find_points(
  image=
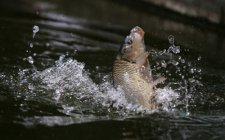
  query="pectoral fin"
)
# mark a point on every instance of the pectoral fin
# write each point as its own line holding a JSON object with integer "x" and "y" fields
{"x": 142, "y": 59}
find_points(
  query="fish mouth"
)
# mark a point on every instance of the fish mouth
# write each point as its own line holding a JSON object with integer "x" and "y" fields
{"x": 136, "y": 33}
{"x": 138, "y": 30}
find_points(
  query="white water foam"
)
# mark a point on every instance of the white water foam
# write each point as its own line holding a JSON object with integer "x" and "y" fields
{"x": 167, "y": 98}
{"x": 69, "y": 78}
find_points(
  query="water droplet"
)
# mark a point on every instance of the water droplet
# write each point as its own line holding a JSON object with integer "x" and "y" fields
{"x": 31, "y": 45}
{"x": 57, "y": 95}
{"x": 163, "y": 63}
{"x": 74, "y": 52}
{"x": 173, "y": 62}
{"x": 173, "y": 48}
{"x": 30, "y": 60}
{"x": 199, "y": 70}
{"x": 192, "y": 71}
{"x": 97, "y": 68}
{"x": 35, "y": 30}
{"x": 47, "y": 44}
{"x": 61, "y": 58}
{"x": 189, "y": 64}
{"x": 57, "y": 91}
{"x": 182, "y": 61}
{"x": 30, "y": 87}
{"x": 171, "y": 39}
{"x": 199, "y": 58}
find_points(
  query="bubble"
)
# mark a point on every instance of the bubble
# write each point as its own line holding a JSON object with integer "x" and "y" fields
{"x": 199, "y": 58}
{"x": 35, "y": 30}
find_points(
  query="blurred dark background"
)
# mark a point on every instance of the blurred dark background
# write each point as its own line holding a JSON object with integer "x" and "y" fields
{"x": 198, "y": 25}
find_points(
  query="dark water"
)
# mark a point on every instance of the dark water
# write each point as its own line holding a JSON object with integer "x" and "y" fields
{"x": 55, "y": 73}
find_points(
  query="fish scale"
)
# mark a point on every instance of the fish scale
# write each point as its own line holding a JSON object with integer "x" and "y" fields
{"x": 137, "y": 89}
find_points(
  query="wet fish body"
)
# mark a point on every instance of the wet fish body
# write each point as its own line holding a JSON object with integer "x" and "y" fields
{"x": 136, "y": 88}
{"x": 131, "y": 70}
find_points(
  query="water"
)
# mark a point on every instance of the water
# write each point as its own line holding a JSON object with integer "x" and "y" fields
{"x": 56, "y": 80}
{"x": 35, "y": 30}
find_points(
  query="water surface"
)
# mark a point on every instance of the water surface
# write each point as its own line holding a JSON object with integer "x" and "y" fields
{"x": 56, "y": 81}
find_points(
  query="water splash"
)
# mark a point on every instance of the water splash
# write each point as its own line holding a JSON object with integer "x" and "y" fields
{"x": 30, "y": 60}
{"x": 69, "y": 85}
{"x": 72, "y": 86}
{"x": 183, "y": 75}
{"x": 173, "y": 48}
{"x": 35, "y": 30}
{"x": 167, "y": 99}
{"x": 31, "y": 45}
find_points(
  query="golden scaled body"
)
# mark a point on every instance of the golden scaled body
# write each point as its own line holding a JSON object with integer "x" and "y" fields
{"x": 137, "y": 89}
{"x": 131, "y": 71}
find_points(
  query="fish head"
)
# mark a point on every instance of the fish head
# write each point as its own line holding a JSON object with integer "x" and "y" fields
{"x": 133, "y": 45}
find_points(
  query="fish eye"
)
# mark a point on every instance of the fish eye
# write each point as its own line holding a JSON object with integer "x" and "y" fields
{"x": 129, "y": 40}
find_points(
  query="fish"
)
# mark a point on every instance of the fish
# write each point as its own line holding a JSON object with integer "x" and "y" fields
{"x": 132, "y": 72}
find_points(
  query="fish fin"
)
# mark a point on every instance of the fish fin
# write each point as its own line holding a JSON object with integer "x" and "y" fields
{"x": 142, "y": 59}
{"x": 144, "y": 67}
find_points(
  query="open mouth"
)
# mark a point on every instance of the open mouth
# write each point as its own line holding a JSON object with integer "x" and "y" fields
{"x": 129, "y": 39}
{"x": 138, "y": 30}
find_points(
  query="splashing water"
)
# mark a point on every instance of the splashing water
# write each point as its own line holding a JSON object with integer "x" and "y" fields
{"x": 167, "y": 98}
{"x": 70, "y": 86}
{"x": 30, "y": 60}
{"x": 35, "y": 30}
{"x": 174, "y": 49}
{"x": 182, "y": 75}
